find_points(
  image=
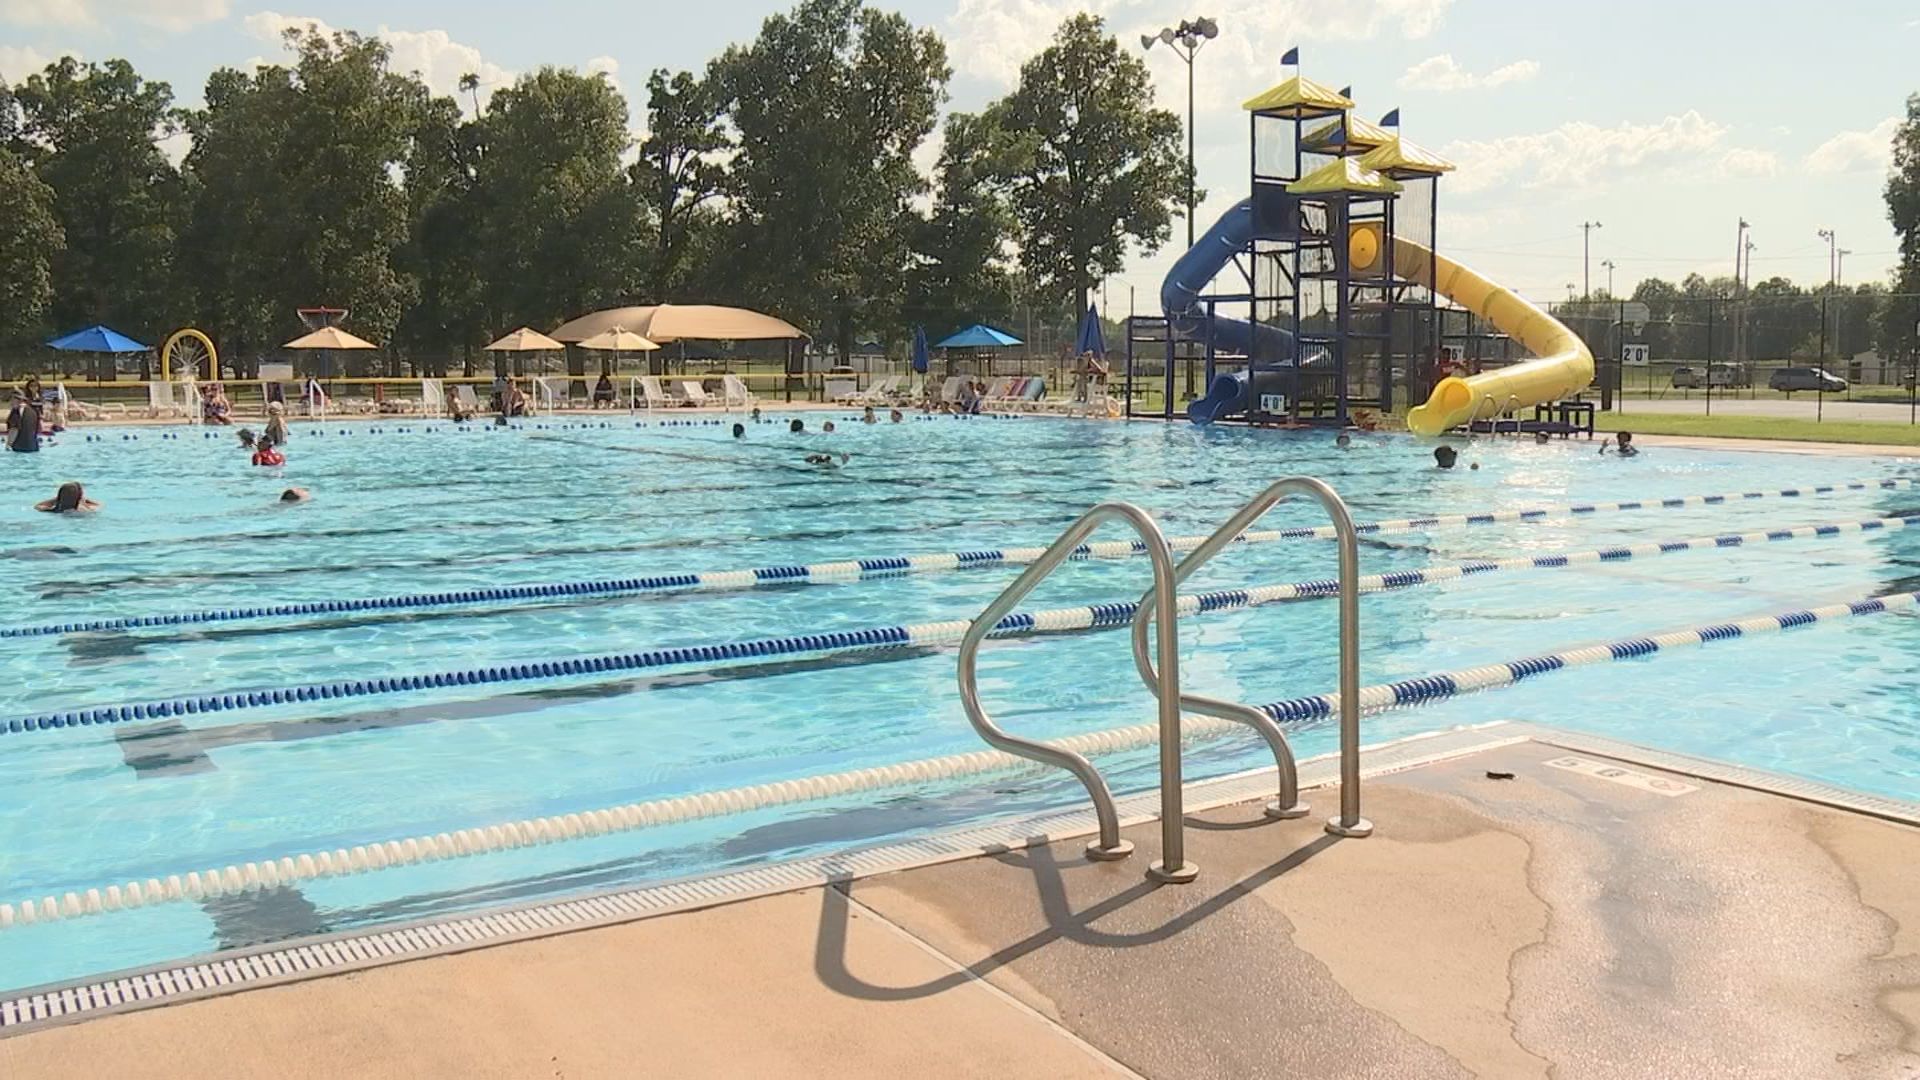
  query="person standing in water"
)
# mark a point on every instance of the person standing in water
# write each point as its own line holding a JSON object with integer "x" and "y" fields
{"x": 23, "y": 425}
{"x": 276, "y": 431}
{"x": 70, "y": 499}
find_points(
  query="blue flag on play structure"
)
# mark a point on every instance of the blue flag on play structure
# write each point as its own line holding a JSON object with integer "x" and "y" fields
{"x": 1392, "y": 119}
{"x": 1291, "y": 56}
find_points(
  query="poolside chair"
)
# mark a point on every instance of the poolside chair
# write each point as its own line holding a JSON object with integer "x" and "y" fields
{"x": 1031, "y": 398}
{"x": 161, "y": 403}
{"x": 551, "y": 393}
{"x": 656, "y": 398}
{"x": 692, "y": 393}
{"x": 879, "y": 393}
{"x": 1010, "y": 393}
{"x": 917, "y": 392}
{"x": 734, "y": 392}
{"x": 433, "y": 397}
{"x": 950, "y": 390}
{"x": 469, "y": 401}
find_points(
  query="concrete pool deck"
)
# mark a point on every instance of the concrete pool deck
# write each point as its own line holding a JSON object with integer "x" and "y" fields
{"x": 1588, "y": 916}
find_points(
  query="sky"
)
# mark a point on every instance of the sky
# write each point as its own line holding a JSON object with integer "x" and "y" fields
{"x": 1663, "y": 122}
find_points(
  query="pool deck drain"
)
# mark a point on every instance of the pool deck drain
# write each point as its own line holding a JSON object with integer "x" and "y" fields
{"x": 1607, "y": 911}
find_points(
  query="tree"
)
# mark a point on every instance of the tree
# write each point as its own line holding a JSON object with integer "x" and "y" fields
{"x": 829, "y": 103}
{"x": 30, "y": 237}
{"x": 470, "y": 85}
{"x": 442, "y": 255}
{"x": 1092, "y": 165}
{"x": 560, "y": 225}
{"x": 296, "y": 197}
{"x": 679, "y": 171}
{"x": 90, "y": 132}
{"x": 960, "y": 274}
{"x": 1898, "y": 318}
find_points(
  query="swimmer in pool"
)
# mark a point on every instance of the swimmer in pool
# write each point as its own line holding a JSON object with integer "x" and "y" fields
{"x": 295, "y": 495}
{"x": 1444, "y": 457}
{"x": 70, "y": 499}
{"x": 1343, "y": 440}
{"x": 895, "y": 416}
{"x": 796, "y": 426}
{"x": 867, "y": 417}
{"x": 828, "y": 461}
{"x": 264, "y": 453}
{"x": 739, "y": 431}
{"x": 246, "y": 438}
{"x": 756, "y": 414}
{"x": 827, "y": 427}
{"x": 1625, "y": 447}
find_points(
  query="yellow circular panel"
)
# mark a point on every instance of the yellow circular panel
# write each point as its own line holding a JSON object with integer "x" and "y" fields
{"x": 189, "y": 349}
{"x": 1363, "y": 247}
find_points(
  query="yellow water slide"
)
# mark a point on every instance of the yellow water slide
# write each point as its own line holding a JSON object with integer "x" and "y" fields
{"x": 1562, "y": 365}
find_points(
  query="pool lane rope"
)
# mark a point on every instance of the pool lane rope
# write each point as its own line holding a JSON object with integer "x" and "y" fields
{"x": 847, "y": 570}
{"x": 910, "y": 635}
{"x": 629, "y": 817}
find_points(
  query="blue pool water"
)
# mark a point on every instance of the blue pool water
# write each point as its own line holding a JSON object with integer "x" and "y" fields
{"x": 189, "y": 526}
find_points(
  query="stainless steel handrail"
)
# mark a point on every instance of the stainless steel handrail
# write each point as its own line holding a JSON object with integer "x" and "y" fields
{"x": 1288, "y": 804}
{"x": 1109, "y": 845}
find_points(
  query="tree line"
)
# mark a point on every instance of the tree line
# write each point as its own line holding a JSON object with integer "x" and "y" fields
{"x": 782, "y": 176}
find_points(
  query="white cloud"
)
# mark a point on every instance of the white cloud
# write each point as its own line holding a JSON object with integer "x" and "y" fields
{"x": 1742, "y": 161}
{"x": 165, "y": 14}
{"x": 1585, "y": 157}
{"x": 439, "y": 59}
{"x": 1855, "y": 151}
{"x": 990, "y": 39}
{"x": 19, "y": 61}
{"x": 1442, "y": 73}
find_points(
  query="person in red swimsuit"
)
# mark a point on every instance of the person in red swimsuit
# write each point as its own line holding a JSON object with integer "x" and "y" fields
{"x": 265, "y": 453}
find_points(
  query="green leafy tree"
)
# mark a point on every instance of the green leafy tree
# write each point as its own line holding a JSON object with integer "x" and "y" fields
{"x": 442, "y": 255}
{"x": 560, "y": 225}
{"x": 679, "y": 173}
{"x": 829, "y": 103}
{"x": 30, "y": 237}
{"x": 296, "y": 192}
{"x": 1092, "y": 166}
{"x": 90, "y": 132}
{"x": 1898, "y": 317}
{"x": 960, "y": 273}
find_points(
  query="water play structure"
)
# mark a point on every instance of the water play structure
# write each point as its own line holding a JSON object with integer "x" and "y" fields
{"x": 1323, "y": 293}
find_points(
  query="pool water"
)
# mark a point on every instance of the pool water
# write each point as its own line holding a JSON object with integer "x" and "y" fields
{"x": 189, "y": 525}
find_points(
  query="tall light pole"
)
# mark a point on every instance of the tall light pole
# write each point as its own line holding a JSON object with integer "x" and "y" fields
{"x": 1833, "y": 275}
{"x": 1185, "y": 40}
{"x": 1607, "y": 265}
{"x": 1586, "y": 258}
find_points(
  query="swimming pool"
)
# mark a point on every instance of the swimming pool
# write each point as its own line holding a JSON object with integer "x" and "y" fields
{"x": 411, "y": 507}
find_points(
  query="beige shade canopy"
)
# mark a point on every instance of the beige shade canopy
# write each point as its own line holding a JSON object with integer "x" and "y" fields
{"x": 329, "y": 337}
{"x": 617, "y": 339}
{"x": 526, "y": 339}
{"x": 677, "y": 322}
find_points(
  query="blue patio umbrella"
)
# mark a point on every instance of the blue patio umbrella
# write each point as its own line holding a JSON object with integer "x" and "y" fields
{"x": 1091, "y": 339}
{"x": 979, "y": 336}
{"x": 97, "y": 339}
{"x": 920, "y": 349}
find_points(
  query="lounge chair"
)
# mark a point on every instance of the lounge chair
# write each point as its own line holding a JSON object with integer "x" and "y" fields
{"x": 1001, "y": 397}
{"x": 693, "y": 393}
{"x": 656, "y": 398}
{"x": 551, "y": 393}
{"x": 433, "y": 397}
{"x": 734, "y": 392}
{"x": 469, "y": 401}
{"x": 879, "y": 393}
{"x": 160, "y": 401}
{"x": 950, "y": 390}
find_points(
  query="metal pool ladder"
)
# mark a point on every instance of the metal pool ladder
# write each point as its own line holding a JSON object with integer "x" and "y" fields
{"x": 1164, "y": 680}
{"x": 1109, "y": 844}
{"x": 1288, "y": 805}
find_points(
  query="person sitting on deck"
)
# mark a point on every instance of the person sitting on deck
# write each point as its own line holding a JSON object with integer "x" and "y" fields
{"x": 216, "y": 409}
{"x": 70, "y": 499}
{"x": 604, "y": 393}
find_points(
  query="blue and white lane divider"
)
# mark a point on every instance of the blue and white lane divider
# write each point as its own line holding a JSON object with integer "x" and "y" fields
{"x": 846, "y": 570}
{"x": 907, "y": 635}
{"x": 629, "y": 817}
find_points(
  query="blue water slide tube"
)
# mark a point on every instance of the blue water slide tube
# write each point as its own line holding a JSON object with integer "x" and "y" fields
{"x": 1180, "y": 299}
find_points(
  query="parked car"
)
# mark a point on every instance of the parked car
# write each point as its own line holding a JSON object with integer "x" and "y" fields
{"x": 1717, "y": 376}
{"x": 1790, "y": 379}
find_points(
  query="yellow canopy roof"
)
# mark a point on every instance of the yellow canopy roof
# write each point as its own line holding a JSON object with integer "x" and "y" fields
{"x": 1343, "y": 174}
{"x": 1360, "y": 135}
{"x": 329, "y": 337}
{"x": 617, "y": 339}
{"x": 676, "y": 322}
{"x": 1400, "y": 157}
{"x": 525, "y": 339}
{"x": 1299, "y": 97}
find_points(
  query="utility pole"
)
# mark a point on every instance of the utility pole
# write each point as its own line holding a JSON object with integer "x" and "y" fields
{"x": 1607, "y": 264}
{"x": 1740, "y": 248}
{"x": 1833, "y": 276}
{"x": 1586, "y": 258}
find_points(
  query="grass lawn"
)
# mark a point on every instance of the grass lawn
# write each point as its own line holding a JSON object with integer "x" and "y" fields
{"x": 1764, "y": 427}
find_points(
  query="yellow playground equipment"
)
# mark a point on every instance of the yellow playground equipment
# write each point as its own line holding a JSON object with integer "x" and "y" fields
{"x": 191, "y": 353}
